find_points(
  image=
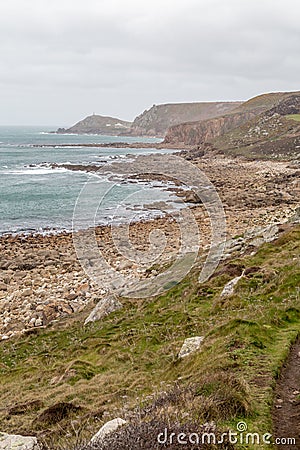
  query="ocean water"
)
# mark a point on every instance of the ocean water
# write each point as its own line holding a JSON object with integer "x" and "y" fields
{"x": 37, "y": 198}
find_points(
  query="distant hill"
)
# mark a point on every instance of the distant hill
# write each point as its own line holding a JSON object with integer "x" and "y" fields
{"x": 152, "y": 122}
{"x": 264, "y": 126}
{"x": 263, "y": 102}
{"x": 157, "y": 120}
{"x": 96, "y": 124}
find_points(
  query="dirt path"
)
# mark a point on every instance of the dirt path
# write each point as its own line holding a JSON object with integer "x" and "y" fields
{"x": 286, "y": 414}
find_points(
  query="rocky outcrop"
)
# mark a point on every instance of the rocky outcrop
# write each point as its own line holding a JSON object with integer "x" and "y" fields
{"x": 251, "y": 239}
{"x": 157, "y": 120}
{"x": 289, "y": 105}
{"x": 195, "y": 133}
{"x": 96, "y": 124}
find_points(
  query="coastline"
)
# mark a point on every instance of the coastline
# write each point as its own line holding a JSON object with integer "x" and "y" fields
{"x": 41, "y": 280}
{"x": 140, "y": 145}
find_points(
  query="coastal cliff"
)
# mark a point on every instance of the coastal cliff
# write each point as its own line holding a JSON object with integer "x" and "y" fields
{"x": 267, "y": 125}
{"x": 192, "y": 133}
{"x": 157, "y": 120}
{"x": 153, "y": 122}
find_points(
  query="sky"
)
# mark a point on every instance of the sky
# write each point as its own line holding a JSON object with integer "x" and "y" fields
{"x": 62, "y": 60}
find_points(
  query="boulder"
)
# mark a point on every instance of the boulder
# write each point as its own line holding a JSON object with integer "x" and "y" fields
{"x": 105, "y": 307}
{"x": 230, "y": 286}
{"x": 190, "y": 345}
{"x": 296, "y": 216}
{"x": 108, "y": 427}
{"x": 16, "y": 442}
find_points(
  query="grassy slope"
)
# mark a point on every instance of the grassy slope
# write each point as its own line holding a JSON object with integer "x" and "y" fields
{"x": 128, "y": 355}
{"x": 262, "y": 138}
{"x": 293, "y": 117}
{"x": 276, "y": 137}
{"x": 263, "y": 102}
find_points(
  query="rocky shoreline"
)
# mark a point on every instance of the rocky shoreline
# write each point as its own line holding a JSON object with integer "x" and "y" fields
{"x": 141, "y": 145}
{"x": 41, "y": 279}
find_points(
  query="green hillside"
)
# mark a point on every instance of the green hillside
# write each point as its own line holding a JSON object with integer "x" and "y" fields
{"x": 264, "y": 137}
{"x": 70, "y": 379}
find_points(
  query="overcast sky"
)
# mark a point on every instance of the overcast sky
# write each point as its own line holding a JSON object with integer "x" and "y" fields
{"x": 64, "y": 59}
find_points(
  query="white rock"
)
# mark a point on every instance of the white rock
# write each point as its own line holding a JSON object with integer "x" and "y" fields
{"x": 190, "y": 345}
{"x": 105, "y": 307}
{"x": 229, "y": 287}
{"x": 16, "y": 442}
{"x": 27, "y": 292}
{"x": 108, "y": 427}
{"x": 38, "y": 322}
{"x": 125, "y": 265}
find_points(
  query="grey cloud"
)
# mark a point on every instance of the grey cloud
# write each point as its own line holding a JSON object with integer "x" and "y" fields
{"x": 119, "y": 57}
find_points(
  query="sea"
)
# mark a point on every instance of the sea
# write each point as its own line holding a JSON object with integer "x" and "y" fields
{"x": 37, "y": 198}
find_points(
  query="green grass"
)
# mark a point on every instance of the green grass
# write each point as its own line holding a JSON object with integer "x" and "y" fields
{"x": 115, "y": 364}
{"x": 295, "y": 117}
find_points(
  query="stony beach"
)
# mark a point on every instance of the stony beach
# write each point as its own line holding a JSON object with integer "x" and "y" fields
{"x": 41, "y": 279}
